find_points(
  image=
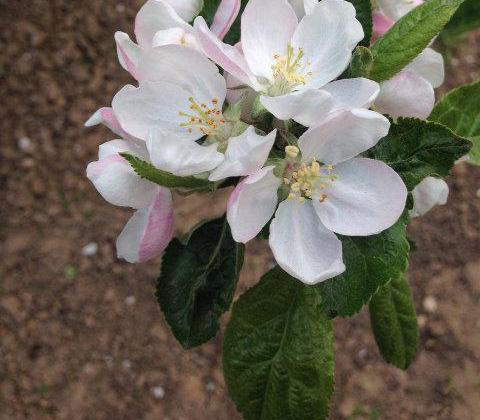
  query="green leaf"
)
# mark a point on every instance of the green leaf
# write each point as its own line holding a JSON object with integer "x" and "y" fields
{"x": 416, "y": 149}
{"x": 165, "y": 179}
{"x": 371, "y": 262}
{"x": 278, "y": 351}
{"x": 198, "y": 281}
{"x": 394, "y": 323}
{"x": 361, "y": 64}
{"x": 364, "y": 16}
{"x": 465, "y": 19}
{"x": 409, "y": 37}
{"x": 208, "y": 12}
{"x": 459, "y": 110}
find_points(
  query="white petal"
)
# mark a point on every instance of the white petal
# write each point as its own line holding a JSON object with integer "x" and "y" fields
{"x": 245, "y": 154}
{"x": 307, "y": 107}
{"x": 180, "y": 156}
{"x": 328, "y": 36}
{"x": 172, "y": 36}
{"x": 366, "y": 198}
{"x": 302, "y": 246}
{"x": 107, "y": 117}
{"x": 353, "y": 93}
{"x": 429, "y": 193}
{"x": 154, "y": 16}
{"x": 226, "y": 56}
{"x": 186, "y": 9}
{"x": 429, "y": 64}
{"x": 406, "y": 95}
{"x": 184, "y": 67}
{"x": 267, "y": 28}
{"x": 343, "y": 135}
{"x": 395, "y": 9}
{"x": 153, "y": 106}
{"x": 128, "y": 53}
{"x": 224, "y": 17}
{"x": 148, "y": 232}
{"x": 117, "y": 182}
{"x": 252, "y": 204}
{"x": 114, "y": 147}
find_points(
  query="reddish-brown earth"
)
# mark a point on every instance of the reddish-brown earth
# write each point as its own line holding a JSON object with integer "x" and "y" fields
{"x": 82, "y": 337}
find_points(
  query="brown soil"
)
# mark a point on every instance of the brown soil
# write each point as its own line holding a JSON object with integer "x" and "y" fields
{"x": 83, "y": 338}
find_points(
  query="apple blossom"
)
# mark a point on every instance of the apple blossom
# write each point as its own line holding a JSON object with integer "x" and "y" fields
{"x": 180, "y": 101}
{"x": 150, "y": 229}
{"x": 429, "y": 193}
{"x": 327, "y": 189}
{"x": 290, "y": 64}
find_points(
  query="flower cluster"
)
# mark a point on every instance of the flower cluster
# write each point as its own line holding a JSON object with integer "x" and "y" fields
{"x": 272, "y": 115}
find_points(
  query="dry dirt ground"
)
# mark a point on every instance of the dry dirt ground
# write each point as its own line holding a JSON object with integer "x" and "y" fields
{"x": 82, "y": 337}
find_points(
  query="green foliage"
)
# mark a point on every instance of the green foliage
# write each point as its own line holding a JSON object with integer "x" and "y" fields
{"x": 416, "y": 149}
{"x": 370, "y": 262}
{"x": 459, "y": 110}
{"x": 165, "y": 179}
{"x": 364, "y": 16}
{"x": 409, "y": 37}
{"x": 198, "y": 281}
{"x": 465, "y": 19}
{"x": 361, "y": 64}
{"x": 394, "y": 322}
{"x": 278, "y": 351}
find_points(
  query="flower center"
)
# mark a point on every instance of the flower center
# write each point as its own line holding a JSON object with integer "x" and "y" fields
{"x": 306, "y": 181}
{"x": 289, "y": 71}
{"x": 204, "y": 118}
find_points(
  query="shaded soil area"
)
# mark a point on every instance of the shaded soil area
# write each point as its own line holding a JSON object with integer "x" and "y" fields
{"x": 81, "y": 336}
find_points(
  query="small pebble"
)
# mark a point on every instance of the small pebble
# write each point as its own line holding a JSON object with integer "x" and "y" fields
{"x": 478, "y": 193}
{"x": 90, "y": 249}
{"x": 210, "y": 387}
{"x": 430, "y": 304}
{"x": 24, "y": 143}
{"x": 120, "y": 8}
{"x": 158, "y": 392}
{"x": 126, "y": 364}
{"x": 130, "y": 300}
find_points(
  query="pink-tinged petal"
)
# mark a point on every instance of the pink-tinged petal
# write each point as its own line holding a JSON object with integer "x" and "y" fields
{"x": 381, "y": 25}
{"x": 128, "y": 53}
{"x": 429, "y": 65}
{"x": 345, "y": 134}
{"x": 396, "y": 9}
{"x": 180, "y": 156}
{"x": 226, "y": 56}
{"x": 429, "y": 193}
{"x": 186, "y": 68}
{"x": 406, "y": 95}
{"x": 245, "y": 154}
{"x": 186, "y": 9}
{"x": 302, "y": 245}
{"x": 252, "y": 204}
{"x": 224, "y": 17}
{"x": 117, "y": 182}
{"x": 366, "y": 198}
{"x": 114, "y": 147}
{"x": 327, "y": 36}
{"x": 353, "y": 93}
{"x": 149, "y": 231}
{"x": 267, "y": 27}
{"x": 154, "y": 16}
{"x": 107, "y": 117}
{"x": 307, "y": 107}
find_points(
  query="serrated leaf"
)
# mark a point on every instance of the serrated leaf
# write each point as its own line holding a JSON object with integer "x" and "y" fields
{"x": 467, "y": 18}
{"x": 370, "y": 262}
{"x": 165, "y": 179}
{"x": 198, "y": 281}
{"x": 364, "y": 16}
{"x": 416, "y": 149}
{"x": 459, "y": 110}
{"x": 278, "y": 351}
{"x": 394, "y": 323}
{"x": 208, "y": 12}
{"x": 409, "y": 37}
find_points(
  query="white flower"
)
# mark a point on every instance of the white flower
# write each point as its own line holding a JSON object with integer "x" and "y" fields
{"x": 329, "y": 190}
{"x": 291, "y": 64}
{"x": 150, "y": 229}
{"x": 396, "y": 9}
{"x": 180, "y": 101}
{"x": 429, "y": 193}
{"x": 165, "y": 22}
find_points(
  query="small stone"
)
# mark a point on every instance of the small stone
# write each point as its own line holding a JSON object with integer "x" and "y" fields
{"x": 430, "y": 304}
{"x": 25, "y": 144}
{"x": 478, "y": 193}
{"x": 158, "y": 392}
{"x": 210, "y": 387}
{"x": 126, "y": 364}
{"x": 422, "y": 321}
{"x": 120, "y": 8}
{"x": 130, "y": 300}
{"x": 90, "y": 249}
